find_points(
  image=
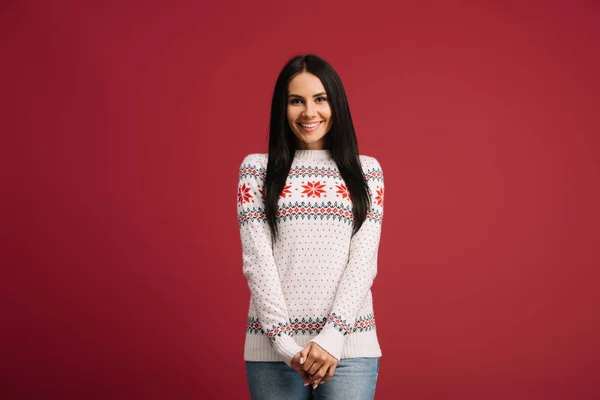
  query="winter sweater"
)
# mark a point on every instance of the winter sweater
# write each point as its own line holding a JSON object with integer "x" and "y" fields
{"x": 314, "y": 283}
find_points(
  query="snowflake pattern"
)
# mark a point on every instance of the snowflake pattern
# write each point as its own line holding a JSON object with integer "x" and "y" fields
{"x": 343, "y": 191}
{"x": 314, "y": 201}
{"x": 261, "y": 191}
{"x": 379, "y": 197}
{"x": 244, "y": 194}
{"x": 313, "y": 189}
{"x": 286, "y": 190}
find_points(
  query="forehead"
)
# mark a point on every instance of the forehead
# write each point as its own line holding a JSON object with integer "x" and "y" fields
{"x": 305, "y": 83}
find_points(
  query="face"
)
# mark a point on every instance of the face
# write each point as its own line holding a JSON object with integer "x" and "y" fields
{"x": 308, "y": 111}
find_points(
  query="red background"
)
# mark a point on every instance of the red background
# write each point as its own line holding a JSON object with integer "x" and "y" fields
{"x": 123, "y": 127}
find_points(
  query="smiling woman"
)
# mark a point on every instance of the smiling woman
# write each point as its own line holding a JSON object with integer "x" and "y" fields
{"x": 309, "y": 115}
{"x": 310, "y": 213}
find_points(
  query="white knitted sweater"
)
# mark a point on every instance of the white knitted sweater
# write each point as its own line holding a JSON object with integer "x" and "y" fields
{"x": 314, "y": 283}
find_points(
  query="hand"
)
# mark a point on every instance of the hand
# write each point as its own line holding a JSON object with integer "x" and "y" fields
{"x": 319, "y": 364}
{"x": 296, "y": 363}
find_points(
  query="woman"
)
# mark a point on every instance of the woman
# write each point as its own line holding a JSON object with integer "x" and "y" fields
{"x": 310, "y": 214}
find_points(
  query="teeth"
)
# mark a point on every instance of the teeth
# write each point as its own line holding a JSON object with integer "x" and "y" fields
{"x": 311, "y": 125}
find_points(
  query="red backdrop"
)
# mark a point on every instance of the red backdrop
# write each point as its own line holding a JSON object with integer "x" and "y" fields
{"x": 123, "y": 127}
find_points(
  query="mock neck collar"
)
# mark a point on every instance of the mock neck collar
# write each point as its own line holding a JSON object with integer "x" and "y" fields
{"x": 324, "y": 154}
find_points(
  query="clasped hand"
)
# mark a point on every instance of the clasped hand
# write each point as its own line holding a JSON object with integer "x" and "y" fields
{"x": 314, "y": 364}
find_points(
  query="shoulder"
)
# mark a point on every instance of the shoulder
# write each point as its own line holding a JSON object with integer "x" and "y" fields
{"x": 371, "y": 169}
{"x": 369, "y": 163}
{"x": 255, "y": 160}
{"x": 254, "y": 167}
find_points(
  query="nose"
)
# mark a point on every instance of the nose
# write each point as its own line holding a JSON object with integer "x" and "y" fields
{"x": 309, "y": 110}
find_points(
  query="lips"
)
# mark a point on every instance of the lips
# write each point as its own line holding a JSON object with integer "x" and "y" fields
{"x": 309, "y": 124}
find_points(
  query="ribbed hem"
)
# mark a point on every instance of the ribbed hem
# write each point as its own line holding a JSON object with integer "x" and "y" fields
{"x": 358, "y": 344}
{"x": 324, "y": 154}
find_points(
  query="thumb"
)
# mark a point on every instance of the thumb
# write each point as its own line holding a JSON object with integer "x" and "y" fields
{"x": 304, "y": 353}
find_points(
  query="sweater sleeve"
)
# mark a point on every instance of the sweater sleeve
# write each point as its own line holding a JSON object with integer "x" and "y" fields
{"x": 360, "y": 271}
{"x": 259, "y": 266}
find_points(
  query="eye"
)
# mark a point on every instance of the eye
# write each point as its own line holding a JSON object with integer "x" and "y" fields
{"x": 321, "y": 99}
{"x": 295, "y": 101}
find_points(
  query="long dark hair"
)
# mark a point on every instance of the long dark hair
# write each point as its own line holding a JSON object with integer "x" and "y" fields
{"x": 340, "y": 140}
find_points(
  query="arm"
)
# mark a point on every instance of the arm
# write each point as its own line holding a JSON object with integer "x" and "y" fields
{"x": 360, "y": 271}
{"x": 259, "y": 266}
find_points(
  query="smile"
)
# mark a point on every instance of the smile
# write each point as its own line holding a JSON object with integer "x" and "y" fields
{"x": 310, "y": 126}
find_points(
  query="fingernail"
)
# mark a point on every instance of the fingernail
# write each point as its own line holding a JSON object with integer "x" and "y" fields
{"x": 315, "y": 386}
{"x": 306, "y": 383}
{"x": 301, "y": 360}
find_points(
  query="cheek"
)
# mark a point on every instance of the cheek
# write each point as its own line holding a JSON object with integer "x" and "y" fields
{"x": 329, "y": 120}
{"x": 291, "y": 116}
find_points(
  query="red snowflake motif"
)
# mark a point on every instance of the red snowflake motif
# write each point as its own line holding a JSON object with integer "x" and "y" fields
{"x": 262, "y": 193}
{"x": 244, "y": 194}
{"x": 379, "y": 197}
{"x": 313, "y": 189}
{"x": 343, "y": 190}
{"x": 286, "y": 190}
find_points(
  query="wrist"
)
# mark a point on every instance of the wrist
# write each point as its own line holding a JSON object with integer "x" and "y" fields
{"x": 331, "y": 340}
{"x": 286, "y": 348}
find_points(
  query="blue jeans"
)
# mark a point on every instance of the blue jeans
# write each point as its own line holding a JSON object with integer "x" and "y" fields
{"x": 354, "y": 379}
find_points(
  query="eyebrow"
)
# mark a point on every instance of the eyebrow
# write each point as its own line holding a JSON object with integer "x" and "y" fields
{"x": 314, "y": 95}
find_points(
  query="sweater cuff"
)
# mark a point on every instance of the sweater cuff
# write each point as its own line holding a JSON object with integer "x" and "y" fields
{"x": 286, "y": 347}
{"x": 331, "y": 340}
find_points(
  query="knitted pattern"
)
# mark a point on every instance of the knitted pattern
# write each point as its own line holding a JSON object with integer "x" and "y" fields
{"x": 314, "y": 283}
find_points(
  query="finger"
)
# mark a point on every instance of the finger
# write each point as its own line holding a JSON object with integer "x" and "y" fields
{"x": 321, "y": 373}
{"x": 308, "y": 362}
{"x": 315, "y": 367}
{"x": 316, "y": 383}
{"x": 332, "y": 369}
{"x": 305, "y": 377}
{"x": 318, "y": 377}
{"x": 320, "y": 359}
{"x": 298, "y": 368}
{"x": 329, "y": 374}
{"x": 303, "y": 374}
{"x": 304, "y": 353}
{"x": 308, "y": 365}
{"x": 295, "y": 359}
